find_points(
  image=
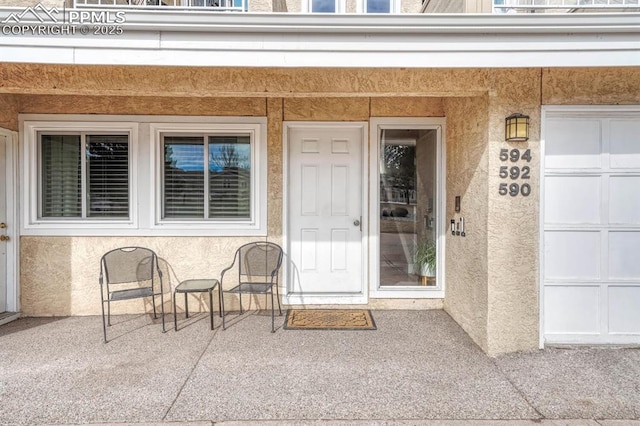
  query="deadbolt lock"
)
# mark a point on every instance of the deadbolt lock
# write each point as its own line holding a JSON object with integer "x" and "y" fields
{"x": 4, "y": 238}
{"x": 3, "y": 225}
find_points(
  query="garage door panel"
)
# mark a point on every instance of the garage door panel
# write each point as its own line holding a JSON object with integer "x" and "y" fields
{"x": 624, "y": 144}
{"x": 624, "y": 200}
{"x": 572, "y": 255}
{"x": 624, "y": 310}
{"x": 573, "y": 144}
{"x": 572, "y": 309}
{"x": 572, "y": 199}
{"x": 591, "y": 226}
{"x": 624, "y": 263}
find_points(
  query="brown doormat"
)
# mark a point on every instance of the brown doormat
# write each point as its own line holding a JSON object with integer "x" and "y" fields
{"x": 329, "y": 319}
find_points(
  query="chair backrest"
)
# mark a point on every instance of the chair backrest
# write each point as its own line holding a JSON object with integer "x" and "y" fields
{"x": 259, "y": 259}
{"x": 129, "y": 264}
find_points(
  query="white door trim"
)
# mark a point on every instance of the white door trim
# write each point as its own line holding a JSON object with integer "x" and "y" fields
{"x": 13, "y": 271}
{"x": 437, "y": 124}
{"x": 559, "y": 111}
{"x": 324, "y": 300}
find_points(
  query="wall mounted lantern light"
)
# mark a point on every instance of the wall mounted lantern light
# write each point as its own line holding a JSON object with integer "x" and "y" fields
{"x": 516, "y": 128}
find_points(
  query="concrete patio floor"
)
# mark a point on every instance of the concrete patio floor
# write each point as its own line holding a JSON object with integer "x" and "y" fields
{"x": 418, "y": 366}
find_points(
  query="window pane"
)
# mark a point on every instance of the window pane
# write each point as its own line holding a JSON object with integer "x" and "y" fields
{"x": 407, "y": 213}
{"x": 378, "y": 6}
{"x": 61, "y": 176}
{"x": 108, "y": 175}
{"x": 183, "y": 177}
{"x": 323, "y": 6}
{"x": 230, "y": 177}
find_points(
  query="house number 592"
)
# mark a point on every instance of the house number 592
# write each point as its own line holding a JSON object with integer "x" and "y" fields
{"x": 513, "y": 172}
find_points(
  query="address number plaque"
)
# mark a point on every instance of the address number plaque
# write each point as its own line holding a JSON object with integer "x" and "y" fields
{"x": 514, "y": 174}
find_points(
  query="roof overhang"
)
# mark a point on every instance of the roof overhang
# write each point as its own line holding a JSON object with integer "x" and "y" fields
{"x": 199, "y": 38}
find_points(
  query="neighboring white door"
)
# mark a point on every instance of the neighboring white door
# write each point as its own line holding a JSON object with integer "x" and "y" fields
{"x": 325, "y": 199}
{"x": 591, "y": 226}
{"x": 3, "y": 224}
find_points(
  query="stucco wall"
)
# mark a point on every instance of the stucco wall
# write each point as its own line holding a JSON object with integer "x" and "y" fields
{"x": 466, "y": 293}
{"x": 59, "y": 275}
{"x": 203, "y": 82}
{"x": 8, "y": 112}
{"x": 512, "y": 319}
{"x": 591, "y": 86}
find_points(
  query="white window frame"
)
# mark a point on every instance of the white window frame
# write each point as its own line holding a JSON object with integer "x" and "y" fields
{"x": 31, "y": 174}
{"x": 256, "y": 129}
{"x": 144, "y": 184}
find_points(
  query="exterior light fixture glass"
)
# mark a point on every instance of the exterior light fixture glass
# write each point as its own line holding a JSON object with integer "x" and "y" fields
{"x": 516, "y": 128}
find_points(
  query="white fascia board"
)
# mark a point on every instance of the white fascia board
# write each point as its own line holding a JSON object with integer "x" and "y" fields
{"x": 183, "y": 38}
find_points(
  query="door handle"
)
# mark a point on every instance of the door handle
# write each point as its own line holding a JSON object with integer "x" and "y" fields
{"x": 4, "y": 238}
{"x": 356, "y": 222}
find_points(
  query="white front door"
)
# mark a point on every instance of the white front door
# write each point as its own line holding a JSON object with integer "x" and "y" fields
{"x": 3, "y": 224}
{"x": 325, "y": 199}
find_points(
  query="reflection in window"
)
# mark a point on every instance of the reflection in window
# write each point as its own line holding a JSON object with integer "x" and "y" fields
{"x": 222, "y": 190}
{"x": 378, "y": 6}
{"x": 229, "y": 177}
{"x": 323, "y": 6}
{"x": 407, "y": 200}
{"x": 183, "y": 177}
{"x": 105, "y": 159}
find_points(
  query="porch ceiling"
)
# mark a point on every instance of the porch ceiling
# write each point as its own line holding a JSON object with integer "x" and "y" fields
{"x": 288, "y": 40}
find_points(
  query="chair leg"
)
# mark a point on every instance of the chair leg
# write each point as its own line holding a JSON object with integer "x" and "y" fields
{"x": 224, "y": 327}
{"x": 109, "y": 312}
{"x": 164, "y": 328}
{"x": 278, "y": 298}
{"x": 104, "y": 324}
{"x": 211, "y": 307}
{"x": 220, "y": 299}
{"x": 186, "y": 306}
{"x": 240, "y": 297}
{"x": 153, "y": 302}
{"x": 273, "y": 312}
{"x": 175, "y": 313}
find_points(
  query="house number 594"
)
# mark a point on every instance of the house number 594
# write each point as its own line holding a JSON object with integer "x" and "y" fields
{"x": 514, "y": 172}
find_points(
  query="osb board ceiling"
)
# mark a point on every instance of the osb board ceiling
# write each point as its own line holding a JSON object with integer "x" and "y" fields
{"x": 234, "y": 82}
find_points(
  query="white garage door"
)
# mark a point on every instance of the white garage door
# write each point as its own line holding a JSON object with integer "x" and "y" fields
{"x": 591, "y": 226}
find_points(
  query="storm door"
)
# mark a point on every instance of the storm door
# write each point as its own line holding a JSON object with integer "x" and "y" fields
{"x": 406, "y": 214}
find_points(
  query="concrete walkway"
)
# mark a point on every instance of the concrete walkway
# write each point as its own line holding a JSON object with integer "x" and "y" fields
{"x": 418, "y": 368}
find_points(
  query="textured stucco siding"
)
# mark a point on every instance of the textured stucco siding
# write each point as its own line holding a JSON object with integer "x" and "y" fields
{"x": 591, "y": 86}
{"x": 207, "y": 82}
{"x": 513, "y": 221}
{"x": 466, "y": 298}
{"x": 59, "y": 275}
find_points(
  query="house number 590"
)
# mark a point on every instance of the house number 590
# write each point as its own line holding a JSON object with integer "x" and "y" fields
{"x": 514, "y": 172}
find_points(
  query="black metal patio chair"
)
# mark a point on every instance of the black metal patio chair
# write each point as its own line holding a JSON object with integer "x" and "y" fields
{"x": 258, "y": 269}
{"x": 128, "y": 273}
